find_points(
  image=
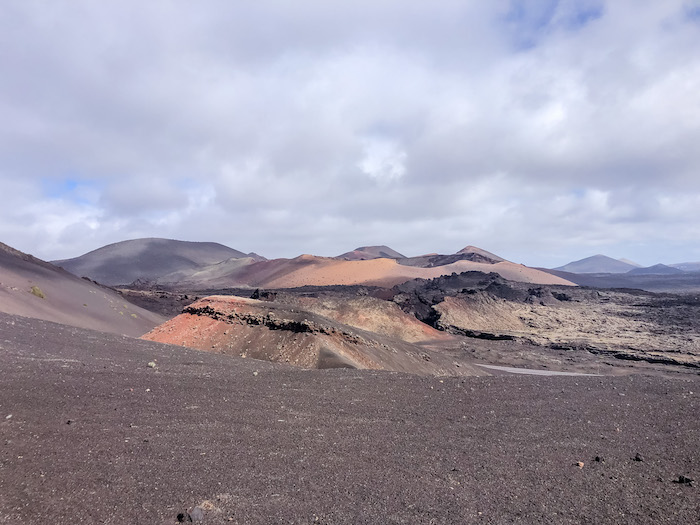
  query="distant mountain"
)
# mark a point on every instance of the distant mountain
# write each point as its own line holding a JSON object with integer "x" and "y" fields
{"x": 687, "y": 266}
{"x": 364, "y": 253}
{"x": 684, "y": 282}
{"x": 597, "y": 264}
{"x": 657, "y": 269}
{"x": 475, "y": 254}
{"x": 31, "y": 287}
{"x": 198, "y": 266}
{"x": 469, "y": 253}
{"x": 310, "y": 270}
{"x": 635, "y": 264}
{"x": 146, "y": 259}
{"x": 256, "y": 257}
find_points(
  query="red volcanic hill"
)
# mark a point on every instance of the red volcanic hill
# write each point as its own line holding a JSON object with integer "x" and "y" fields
{"x": 148, "y": 259}
{"x": 34, "y": 288}
{"x": 363, "y": 333}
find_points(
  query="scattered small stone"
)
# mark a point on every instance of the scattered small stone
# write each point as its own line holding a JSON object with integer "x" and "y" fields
{"x": 184, "y": 517}
{"x": 255, "y": 373}
{"x": 599, "y": 459}
{"x": 638, "y": 457}
{"x": 69, "y": 422}
{"x": 8, "y": 416}
{"x": 579, "y": 464}
{"x": 152, "y": 364}
{"x": 684, "y": 480}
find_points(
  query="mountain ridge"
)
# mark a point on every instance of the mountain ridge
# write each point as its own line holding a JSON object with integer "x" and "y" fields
{"x": 596, "y": 264}
{"x": 148, "y": 259}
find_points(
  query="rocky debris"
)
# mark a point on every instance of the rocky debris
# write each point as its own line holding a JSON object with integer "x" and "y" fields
{"x": 155, "y": 299}
{"x": 197, "y": 514}
{"x": 684, "y": 480}
{"x": 629, "y": 325}
{"x": 638, "y": 457}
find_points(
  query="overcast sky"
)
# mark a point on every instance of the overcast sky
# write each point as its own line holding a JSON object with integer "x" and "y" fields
{"x": 544, "y": 131}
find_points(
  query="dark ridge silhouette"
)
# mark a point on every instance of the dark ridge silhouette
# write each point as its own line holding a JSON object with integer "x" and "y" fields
{"x": 146, "y": 259}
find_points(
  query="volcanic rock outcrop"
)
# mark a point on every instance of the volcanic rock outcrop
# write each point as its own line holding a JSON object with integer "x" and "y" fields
{"x": 632, "y": 325}
{"x": 284, "y": 333}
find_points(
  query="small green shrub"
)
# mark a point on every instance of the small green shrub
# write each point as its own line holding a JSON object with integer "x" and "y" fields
{"x": 37, "y": 291}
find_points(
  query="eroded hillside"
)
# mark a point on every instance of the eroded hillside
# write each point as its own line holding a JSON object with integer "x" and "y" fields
{"x": 292, "y": 334}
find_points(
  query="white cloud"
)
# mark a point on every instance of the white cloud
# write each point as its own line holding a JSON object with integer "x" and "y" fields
{"x": 549, "y": 130}
{"x": 384, "y": 161}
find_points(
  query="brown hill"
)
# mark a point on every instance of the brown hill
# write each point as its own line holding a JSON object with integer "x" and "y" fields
{"x": 469, "y": 253}
{"x": 309, "y": 270}
{"x": 34, "y": 288}
{"x": 288, "y": 333}
{"x": 480, "y": 255}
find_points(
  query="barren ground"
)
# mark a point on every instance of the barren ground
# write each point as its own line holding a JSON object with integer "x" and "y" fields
{"x": 98, "y": 436}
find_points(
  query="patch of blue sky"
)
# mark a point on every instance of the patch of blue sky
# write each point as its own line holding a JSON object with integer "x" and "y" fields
{"x": 530, "y": 21}
{"x": 187, "y": 184}
{"x": 691, "y": 10}
{"x": 70, "y": 188}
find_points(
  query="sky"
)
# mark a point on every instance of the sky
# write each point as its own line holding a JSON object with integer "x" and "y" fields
{"x": 544, "y": 131}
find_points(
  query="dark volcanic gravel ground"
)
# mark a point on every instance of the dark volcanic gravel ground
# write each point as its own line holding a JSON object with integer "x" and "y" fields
{"x": 98, "y": 436}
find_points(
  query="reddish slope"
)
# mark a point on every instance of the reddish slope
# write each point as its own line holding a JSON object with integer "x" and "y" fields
{"x": 289, "y": 334}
